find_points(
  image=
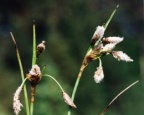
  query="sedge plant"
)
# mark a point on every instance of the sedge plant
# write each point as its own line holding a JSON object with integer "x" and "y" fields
{"x": 34, "y": 76}
{"x": 99, "y": 46}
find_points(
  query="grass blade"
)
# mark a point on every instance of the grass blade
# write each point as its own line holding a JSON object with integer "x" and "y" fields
{"x": 22, "y": 73}
{"x": 118, "y": 96}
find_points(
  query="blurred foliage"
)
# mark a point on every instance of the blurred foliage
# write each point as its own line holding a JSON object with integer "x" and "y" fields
{"x": 67, "y": 27}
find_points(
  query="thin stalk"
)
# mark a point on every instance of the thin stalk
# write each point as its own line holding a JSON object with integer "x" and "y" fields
{"x": 55, "y": 81}
{"x": 22, "y": 74}
{"x": 76, "y": 86}
{"x": 103, "y": 112}
{"x": 34, "y": 46}
{"x": 77, "y": 82}
{"x": 110, "y": 18}
{"x": 24, "y": 81}
{"x": 100, "y": 63}
{"x": 34, "y": 59}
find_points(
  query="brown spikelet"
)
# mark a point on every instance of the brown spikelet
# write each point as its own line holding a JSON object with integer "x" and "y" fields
{"x": 68, "y": 100}
{"x": 40, "y": 48}
{"x": 34, "y": 75}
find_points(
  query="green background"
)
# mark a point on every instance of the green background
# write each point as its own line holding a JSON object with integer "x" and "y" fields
{"x": 67, "y": 27}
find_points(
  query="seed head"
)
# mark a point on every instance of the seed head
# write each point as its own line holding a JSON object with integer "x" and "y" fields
{"x": 35, "y": 71}
{"x": 121, "y": 56}
{"x": 16, "y": 102}
{"x": 99, "y": 75}
{"x": 40, "y": 48}
{"x": 34, "y": 74}
{"x": 98, "y": 34}
{"x": 114, "y": 40}
{"x": 108, "y": 47}
{"x": 68, "y": 100}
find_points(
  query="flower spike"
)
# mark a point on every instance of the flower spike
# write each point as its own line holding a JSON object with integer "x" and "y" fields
{"x": 34, "y": 75}
{"x": 114, "y": 40}
{"x": 68, "y": 100}
{"x": 121, "y": 56}
{"x": 98, "y": 34}
{"x": 99, "y": 75}
{"x": 40, "y": 48}
{"x": 16, "y": 102}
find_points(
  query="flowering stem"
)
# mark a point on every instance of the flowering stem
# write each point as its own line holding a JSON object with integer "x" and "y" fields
{"x": 34, "y": 59}
{"x": 76, "y": 86}
{"x": 55, "y": 81}
{"x": 85, "y": 62}
{"x": 100, "y": 63}
{"x": 22, "y": 74}
{"x": 77, "y": 81}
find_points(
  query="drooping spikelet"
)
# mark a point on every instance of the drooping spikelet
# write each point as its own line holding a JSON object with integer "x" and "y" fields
{"x": 16, "y": 102}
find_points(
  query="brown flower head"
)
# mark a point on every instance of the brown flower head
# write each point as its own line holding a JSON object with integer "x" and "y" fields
{"x": 34, "y": 75}
{"x": 40, "y": 48}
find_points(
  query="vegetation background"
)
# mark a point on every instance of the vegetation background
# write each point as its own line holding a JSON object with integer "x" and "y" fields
{"x": 67, "y": 27}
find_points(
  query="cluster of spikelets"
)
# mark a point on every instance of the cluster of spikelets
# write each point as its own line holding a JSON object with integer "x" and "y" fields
{"x": 34, "y": 76}
{"x": 101, "y": 46}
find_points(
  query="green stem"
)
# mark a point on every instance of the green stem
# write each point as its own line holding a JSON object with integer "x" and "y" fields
{"x": 77, "y": 81}
{"x": 100, "y": 63}
{"x": 34, "y": 46}
{"x": 55, "y": 81}
{"x": 24, "y": 81}
{"x": 76, "y": 86}
{"x": 110, "y": 18}
{"x": 34, "y": 59}
{"x": 22, "y": 74}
